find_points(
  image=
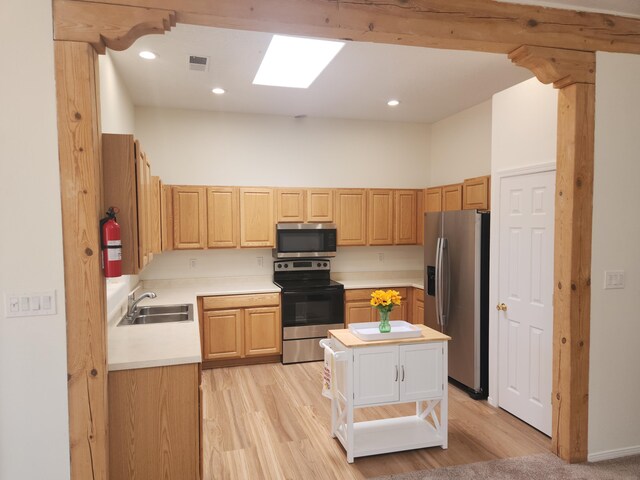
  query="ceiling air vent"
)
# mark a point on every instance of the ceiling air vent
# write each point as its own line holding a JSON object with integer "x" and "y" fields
{"x": 199, "y": 64}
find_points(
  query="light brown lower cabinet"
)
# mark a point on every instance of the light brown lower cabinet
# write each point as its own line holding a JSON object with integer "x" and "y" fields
{"x": 357, "y": 308}
{"x": 240, "y": 329}
{"x": 154, "y": 423}
{"x": 418, "y": 305}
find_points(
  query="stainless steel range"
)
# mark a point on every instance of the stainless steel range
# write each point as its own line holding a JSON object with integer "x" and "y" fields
{"x": 312, "y": 304}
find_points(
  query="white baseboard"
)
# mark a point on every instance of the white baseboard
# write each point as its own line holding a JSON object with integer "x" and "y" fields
{"x": 611, "y": 454}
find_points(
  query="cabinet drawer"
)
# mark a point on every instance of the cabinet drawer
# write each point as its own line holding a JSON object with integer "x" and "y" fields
{"x": 365, "y": 293}
{"x": 239, "y": 301}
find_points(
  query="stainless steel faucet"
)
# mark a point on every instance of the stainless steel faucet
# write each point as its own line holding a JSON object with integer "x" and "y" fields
{"x": 133, "y": 302}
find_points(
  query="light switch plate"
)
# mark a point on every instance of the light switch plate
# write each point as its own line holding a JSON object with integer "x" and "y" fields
{"x": 614, "y": 279}
{"x": 30, "y": 304}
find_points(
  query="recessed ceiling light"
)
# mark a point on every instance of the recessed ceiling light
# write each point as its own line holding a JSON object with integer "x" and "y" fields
{"x": 295, "y": 62}
{"x": 147, "y": 55}
{"x": 218, "y": 91}
{"x": 393, "y": 103}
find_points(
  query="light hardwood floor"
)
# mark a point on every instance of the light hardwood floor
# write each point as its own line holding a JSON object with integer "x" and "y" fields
{"x": 270, "y": 422}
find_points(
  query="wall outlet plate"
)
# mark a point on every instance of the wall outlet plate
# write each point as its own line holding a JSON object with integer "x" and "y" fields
{"x": 30, "y": 304}
{"x": 614, "y": 279}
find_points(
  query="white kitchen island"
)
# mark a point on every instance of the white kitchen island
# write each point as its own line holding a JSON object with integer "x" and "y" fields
{"x": 375, "y": 373}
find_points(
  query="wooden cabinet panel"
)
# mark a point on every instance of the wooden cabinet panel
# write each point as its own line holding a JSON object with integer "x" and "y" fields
{"x": 262, "y": 331}
{"x": 319, "y": 205}
{"x": 351, "y": 216}
{"x": 154, "y": 423}
{"x": 143, "y": 181}
{"x": 418, "y": 306}
{"x": 420, "y": 217}
{"x": 399, "y": 312}
{"x": 433, "y": 199}
{"x": 156, "y": 222}
{"x": 358, "y": 312}
{"x": 290, "y": 205}
{"x": 166, "y": 216}
{"x": 222, "y": 334}
{"x": 222, "y": 217}
{"x": 240, "y": 301}
{"x": 405, "y": 217}
{"x": 452, "y": 197}
{"x": 476, "y": 193}
{"x": 380, "y": 208}
{"x": 189, "y": 217}
{"x": 257, "y": 218}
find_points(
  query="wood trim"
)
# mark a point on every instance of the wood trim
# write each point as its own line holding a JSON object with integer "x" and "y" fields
{"x": 102, "y": 25}
{"x": 482, "y": 25}
{"x": 79, "y": 147}
{"x": 555, "y": 65}
{"x": 240, "y": 301}
{"x": 234, "y": 362}
{"x": 572, "y": 271}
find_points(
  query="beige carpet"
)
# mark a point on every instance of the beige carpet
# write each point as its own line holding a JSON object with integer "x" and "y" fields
{"x": 534, "y": 467}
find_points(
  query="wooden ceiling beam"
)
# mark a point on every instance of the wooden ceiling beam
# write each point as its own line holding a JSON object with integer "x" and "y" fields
{"x": 482, "y": 25}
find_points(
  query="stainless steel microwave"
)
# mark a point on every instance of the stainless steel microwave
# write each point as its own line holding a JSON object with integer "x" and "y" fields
{"x": 300, "y": 240}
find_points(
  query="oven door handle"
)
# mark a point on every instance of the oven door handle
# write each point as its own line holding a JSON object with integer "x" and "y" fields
{"x": 316, "y": 291}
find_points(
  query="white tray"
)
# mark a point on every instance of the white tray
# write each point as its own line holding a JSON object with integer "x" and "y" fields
{"x": 369, "y": 331}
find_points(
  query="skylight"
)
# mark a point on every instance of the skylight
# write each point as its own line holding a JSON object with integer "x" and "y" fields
{"x": 295, "y": 62}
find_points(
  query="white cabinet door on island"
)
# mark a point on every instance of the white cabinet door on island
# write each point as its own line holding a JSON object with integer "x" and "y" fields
{"x": 384, "y": 372}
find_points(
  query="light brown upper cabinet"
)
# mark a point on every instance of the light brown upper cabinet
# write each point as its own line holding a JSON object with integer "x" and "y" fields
{"x": 222, "y": 217}
{"x": 476, "y": 193}
{"x": 319, "y": 205}
{"x": 452, "y": 197}
{"x": 420, "y": 217}
{"x": 127, "y": 186}
{"x": 189, "y": 217}
{"x": 351, "y": 216}
{"x": 433, "y": 199}
{"x": 405, "y": 202}
{"x": 290, "y": 205}
{"x": 156, "y": 217}
{"x": 257, "y": 217}
{"x": 380, "y": 207}
{"x": 166, "y": 214}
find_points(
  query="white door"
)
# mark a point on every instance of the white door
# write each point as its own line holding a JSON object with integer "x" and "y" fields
{"x": 526, "y": 288}
{"x": 420, "y": 371}
{"x": 376, "y": 375}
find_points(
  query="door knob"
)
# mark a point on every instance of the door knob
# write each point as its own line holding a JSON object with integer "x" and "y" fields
{"x": 501, "y": 307}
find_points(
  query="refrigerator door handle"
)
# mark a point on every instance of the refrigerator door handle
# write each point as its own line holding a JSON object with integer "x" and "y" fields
{"x": 446, "y": 274}
{"x": 439, "y": 282}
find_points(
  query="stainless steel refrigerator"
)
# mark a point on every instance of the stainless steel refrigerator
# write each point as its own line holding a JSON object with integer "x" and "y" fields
{"x": 457, "y": 292}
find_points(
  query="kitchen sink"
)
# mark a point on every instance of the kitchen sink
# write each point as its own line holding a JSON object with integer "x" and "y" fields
{"x": 159, "y": 314}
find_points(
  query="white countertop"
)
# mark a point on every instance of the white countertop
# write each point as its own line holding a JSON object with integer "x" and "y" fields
{"x": 161, "y": 344}
{"x": 353, "y": 280}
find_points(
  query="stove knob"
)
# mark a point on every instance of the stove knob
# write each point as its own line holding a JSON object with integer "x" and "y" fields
{"x": 325, "y": 264}
{"x": 279, "y": 265}
{"x": 286, "y": 265}
{"x": 319, "y": 264}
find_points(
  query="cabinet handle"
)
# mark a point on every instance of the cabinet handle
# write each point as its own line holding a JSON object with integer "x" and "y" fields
{"x": 396, "y": 374}
{"x": 403, "y": 373}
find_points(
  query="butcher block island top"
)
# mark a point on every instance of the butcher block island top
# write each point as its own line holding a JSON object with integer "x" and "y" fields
{"x": 349, "y": 340}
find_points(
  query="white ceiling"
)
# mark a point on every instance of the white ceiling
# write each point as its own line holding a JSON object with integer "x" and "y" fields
{"x": 431, "y": 84}
{"x": 630, "y": 8}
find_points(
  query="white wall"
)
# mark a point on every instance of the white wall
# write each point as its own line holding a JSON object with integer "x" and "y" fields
{"x": 34, "y": 440}
{"x": 461, "y": 146}
{"x": 210, "y": 148}
{"x": 523, "y": 133}
{"x": 117, "y": 114}
{"x": 614, "y": 383}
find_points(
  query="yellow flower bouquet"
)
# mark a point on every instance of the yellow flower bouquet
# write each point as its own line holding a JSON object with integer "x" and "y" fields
{"x": 384, "y": 301}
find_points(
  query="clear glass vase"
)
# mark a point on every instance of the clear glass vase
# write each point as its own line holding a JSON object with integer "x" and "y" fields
{"x": 384, "y": 326}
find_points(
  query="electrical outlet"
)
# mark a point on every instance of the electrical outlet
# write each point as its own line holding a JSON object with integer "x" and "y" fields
{"x": 260, "y": 261}
{"x": 381, "y": 257}
{"x": 613, "y": 279}
{"x": 30, "y": 304}
{"x": 193, "y": 263}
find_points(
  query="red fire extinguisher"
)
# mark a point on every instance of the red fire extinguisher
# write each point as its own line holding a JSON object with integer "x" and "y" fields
{"x": 111, "y": 244}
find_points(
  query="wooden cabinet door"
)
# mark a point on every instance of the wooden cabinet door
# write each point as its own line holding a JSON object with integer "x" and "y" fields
{"x": 405, "y": 217}
{"x": 358, "y": 312}
{"x": 416, "y": 381}
{"x": 166, "y": 214}
{"x": 222, "y": 217}
{"x": 222, "y": 332}
{"x": 189, "y": 218}
{"x": 380, "y": 208}
{"x": 319, "y": 205}
{"x": 351, "y": 216}
{"x": 420, "y": 217}
{"x": 476, "y": 193}
{"x": 290, "y": 205}
{"x": 376, "y": 375}
{"x": 257, "y": 218}
{"x": 433, "y": 199}
{"x": 142, "y": 183}
{"x": 262, "y": 331}
{"x": 400, "y": 312}
{"x": 452, "y": 197}
{"x": 418, "y": 306}
{"x": 156, "y": 222}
